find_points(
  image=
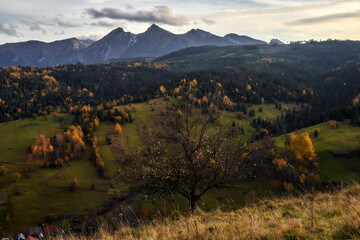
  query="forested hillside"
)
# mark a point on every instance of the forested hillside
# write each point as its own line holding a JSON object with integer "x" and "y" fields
{"x": 208, "y": 127}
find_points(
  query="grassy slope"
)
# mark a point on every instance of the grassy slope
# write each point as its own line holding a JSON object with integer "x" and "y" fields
{"x": 323, "y": 216}
{"x": 330, "y": 167}
{"x": 129, "y": 140}
{"x": 345, "y": 138}
{"x": 35, "y": 199}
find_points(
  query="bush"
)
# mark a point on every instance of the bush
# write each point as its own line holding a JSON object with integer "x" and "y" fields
{"x": 3, "y": 170}
{"x": 317, "y": 132}
{"x": 108, "y": 140}
{"x": 53, "y": 115}
{"x": 73, "y": 185}
{"x": 333, "y": 124}
{"x": 16, "y": 177}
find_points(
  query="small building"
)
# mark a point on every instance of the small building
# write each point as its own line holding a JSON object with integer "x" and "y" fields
{"x": 33, "y": 231}
{"x": 51, "y": 230}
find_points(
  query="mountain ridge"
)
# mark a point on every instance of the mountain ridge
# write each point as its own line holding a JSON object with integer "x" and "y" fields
{"x": 118, "y": 44}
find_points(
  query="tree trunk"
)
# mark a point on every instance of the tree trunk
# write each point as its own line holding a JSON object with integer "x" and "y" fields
{"x": 192, "y": 205}
{"x": 192, "y": 202}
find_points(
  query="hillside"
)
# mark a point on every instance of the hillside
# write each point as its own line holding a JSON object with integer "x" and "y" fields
{"x": 320, "y": 216}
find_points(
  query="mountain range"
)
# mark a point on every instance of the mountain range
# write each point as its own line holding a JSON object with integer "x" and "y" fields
{"x": 117, "y": 45}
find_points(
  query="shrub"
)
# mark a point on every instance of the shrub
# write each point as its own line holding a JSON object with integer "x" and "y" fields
{"x": 133, "y": 109}
{"x": 17, "y": 177}
{"x": 333, "y": 124}
{"x": 3, "y": 170}
{"x": 53, "y": 115}
{"x": 73, "y": 185}
{"x": 108, "y": 140}
{"x": 317, "y": 132}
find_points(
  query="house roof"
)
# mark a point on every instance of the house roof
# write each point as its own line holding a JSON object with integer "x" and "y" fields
{"x": 30, "y": 231}
{"x": 51, "y": 230}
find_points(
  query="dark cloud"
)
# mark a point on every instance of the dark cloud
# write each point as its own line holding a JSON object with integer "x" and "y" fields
{"x": 8, "y": 29}
{"x": 208, "y": 21}
{"x": 325, "y": 18}
{"x": 160, "y": 14}
{"x": 108, "y": 24}
{"x": 33, "y": 26}
{"x": 62, "y": 23}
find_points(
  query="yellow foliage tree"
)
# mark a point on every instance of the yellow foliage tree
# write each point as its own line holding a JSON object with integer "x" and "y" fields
{"x": 302, "y": 147}
{"x": 42, "y": 149}
{"x": 162, "y": 90}
{"x": 96, "y": 122}
{"x": 118, "y": 129}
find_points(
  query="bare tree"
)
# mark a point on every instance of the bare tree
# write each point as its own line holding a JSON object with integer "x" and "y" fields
{"x": 188, "y": 154}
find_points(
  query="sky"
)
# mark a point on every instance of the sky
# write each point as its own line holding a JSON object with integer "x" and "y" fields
{"x": 50, "y": 20}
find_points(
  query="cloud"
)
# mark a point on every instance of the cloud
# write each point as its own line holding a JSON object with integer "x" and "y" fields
{"x": 208, "y": 21}
{"x": 160, "y": 14}
{"x": 94, "y": 37}
{"x": 62, "y": 23}
{"x": 235, "y": 13}
{"x": 33, "y": 26}
{"x": 128, "y": 6}
{"x": 96, "y": 1}
{"x": 59, "y": 33}
{"x": 108, "y": 24}
{"x": 325, "y": 18}
{"x": 8, "y": 29}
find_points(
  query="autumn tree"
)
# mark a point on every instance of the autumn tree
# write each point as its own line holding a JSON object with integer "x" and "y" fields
{"x": 42, "y": 150}
{"x": 74, "y": 135}
{"x": 188, "y": 155}
{"x": 299, "y": 163}
{"x": 118, "y": 129}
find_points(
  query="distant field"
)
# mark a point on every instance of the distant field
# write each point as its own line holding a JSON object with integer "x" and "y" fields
{"x": 345, "y": 138}
{"x": 35, "y": 199}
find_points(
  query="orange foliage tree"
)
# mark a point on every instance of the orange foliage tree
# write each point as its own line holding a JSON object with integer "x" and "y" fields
{"x": 3, "y": 170}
